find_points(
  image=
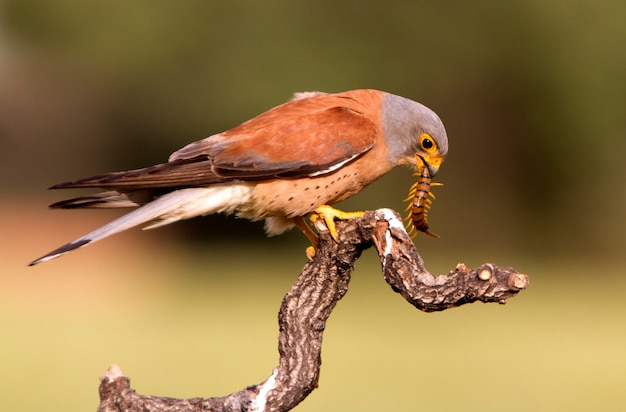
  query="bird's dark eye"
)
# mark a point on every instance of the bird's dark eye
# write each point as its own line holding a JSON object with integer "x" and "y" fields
{"x": 427, "y": 143}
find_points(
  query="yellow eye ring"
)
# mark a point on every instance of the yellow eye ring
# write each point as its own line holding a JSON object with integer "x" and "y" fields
{"x": 427, "y": 143}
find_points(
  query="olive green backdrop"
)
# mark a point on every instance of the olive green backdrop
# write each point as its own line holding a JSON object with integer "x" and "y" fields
{"x": 532, "y": 93}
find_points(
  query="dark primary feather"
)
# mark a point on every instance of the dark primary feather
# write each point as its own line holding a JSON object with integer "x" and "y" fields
{"x": 110, "y": 199}
{"x": 179, "y": 173}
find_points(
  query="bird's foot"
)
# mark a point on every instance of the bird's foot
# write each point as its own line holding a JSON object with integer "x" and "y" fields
{"x": 329, "y": 214}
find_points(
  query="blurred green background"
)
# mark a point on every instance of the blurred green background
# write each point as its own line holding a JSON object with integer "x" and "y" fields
{"x": 533, "y": 95}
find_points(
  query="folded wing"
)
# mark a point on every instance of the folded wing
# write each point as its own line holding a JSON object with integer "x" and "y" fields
{"x": 300, "y": 138}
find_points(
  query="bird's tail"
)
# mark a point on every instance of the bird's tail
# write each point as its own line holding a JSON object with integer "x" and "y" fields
{"x": 168, "y": 208}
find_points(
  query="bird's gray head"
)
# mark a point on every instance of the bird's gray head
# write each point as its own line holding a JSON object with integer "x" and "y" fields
{"x": 412, "y": 130}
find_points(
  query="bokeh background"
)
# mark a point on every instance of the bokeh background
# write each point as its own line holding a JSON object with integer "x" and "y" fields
{"x": 533, "y": 95}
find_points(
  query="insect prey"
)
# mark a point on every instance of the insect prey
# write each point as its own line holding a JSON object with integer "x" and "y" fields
{"x": 420, "y": 198}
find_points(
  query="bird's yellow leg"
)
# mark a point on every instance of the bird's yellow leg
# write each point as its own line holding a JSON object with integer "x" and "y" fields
{"x": 329, "y": 214}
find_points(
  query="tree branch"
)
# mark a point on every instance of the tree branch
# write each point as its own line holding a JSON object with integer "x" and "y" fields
{"x": 306, "y": 307}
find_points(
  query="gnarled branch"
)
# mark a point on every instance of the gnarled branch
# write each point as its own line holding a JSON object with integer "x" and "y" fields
{"x": 306, "y": 307}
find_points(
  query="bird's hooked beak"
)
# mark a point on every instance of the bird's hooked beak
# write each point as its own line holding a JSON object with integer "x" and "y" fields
{"x": 431, "y": 162}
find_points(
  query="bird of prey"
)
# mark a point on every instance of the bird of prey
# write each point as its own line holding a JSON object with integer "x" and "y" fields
{"x": 292, "y": 161}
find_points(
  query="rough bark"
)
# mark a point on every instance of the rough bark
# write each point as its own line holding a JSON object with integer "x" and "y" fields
{"x": 306, "y": 307}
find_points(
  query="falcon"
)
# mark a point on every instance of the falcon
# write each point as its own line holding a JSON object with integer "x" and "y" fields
{"x": 293, "y": 161}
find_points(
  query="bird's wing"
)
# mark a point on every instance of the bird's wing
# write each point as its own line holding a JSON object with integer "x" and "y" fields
{"x": 305, "y": 137}
{"x": 300, "y": 138}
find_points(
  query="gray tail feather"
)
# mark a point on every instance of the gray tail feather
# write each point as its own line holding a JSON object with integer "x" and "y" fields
{"x": 143, "y": 214}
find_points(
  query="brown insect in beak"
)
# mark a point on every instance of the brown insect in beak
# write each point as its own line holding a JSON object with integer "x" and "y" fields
{"x": 420, "y": 197}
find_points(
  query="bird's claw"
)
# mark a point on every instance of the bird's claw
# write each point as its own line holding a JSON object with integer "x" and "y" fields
{"x": 329, "y": 214}
{"x": 310, "y": 252}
